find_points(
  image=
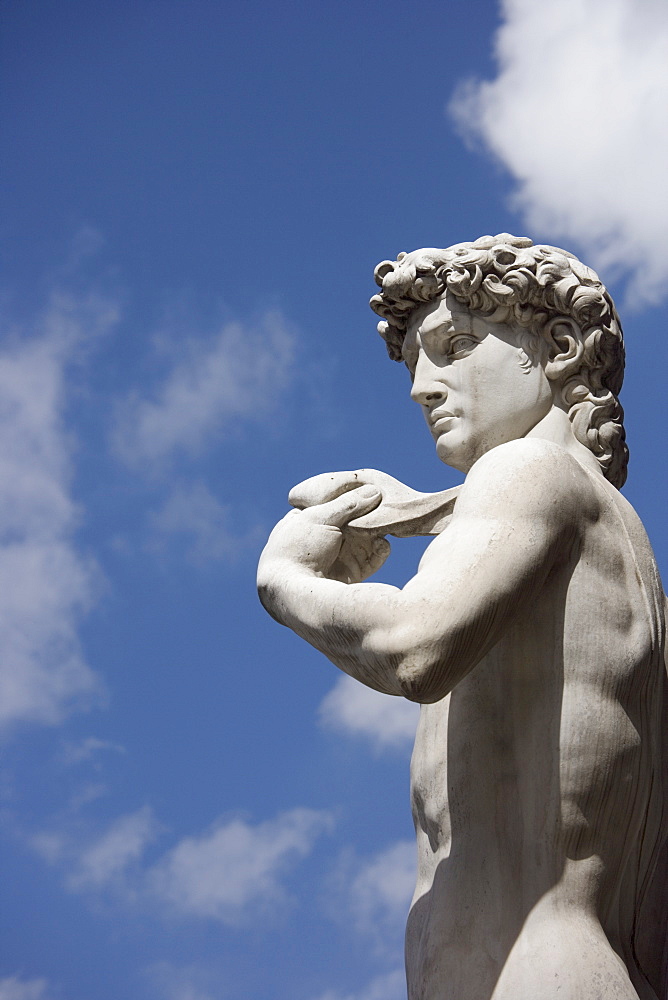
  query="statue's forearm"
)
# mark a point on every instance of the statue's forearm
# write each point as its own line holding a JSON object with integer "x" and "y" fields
{"x": 396, "y": 641}
{"x": 338, "y": 619}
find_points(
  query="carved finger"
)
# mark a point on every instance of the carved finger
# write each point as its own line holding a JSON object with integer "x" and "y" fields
{"x": 329, "y": 485}
{"x": 346, "y": 570}
{"x": 351, "y": 564}
{"x": 362, "y": 555}
{"x": 344, "y": 508}
{"x": 323, "y": 488}
{"x": 357, "y": 558}
{"x": 379, "y": 553}
{"x": 341, "y": 572}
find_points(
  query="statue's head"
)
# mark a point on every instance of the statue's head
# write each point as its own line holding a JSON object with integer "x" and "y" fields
{"x": 562, "y": 317}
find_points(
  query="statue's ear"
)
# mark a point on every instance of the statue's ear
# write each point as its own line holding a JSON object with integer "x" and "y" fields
{"x": 565, "y": 347}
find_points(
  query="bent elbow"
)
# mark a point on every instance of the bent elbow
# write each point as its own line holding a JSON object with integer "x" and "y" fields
{"x": 425, "y": 668}
{"x": 424, "y": 680}
{"x": 414, "y": 660}
{"x": 420, "y": 670}
{"x": 268, "y": 600}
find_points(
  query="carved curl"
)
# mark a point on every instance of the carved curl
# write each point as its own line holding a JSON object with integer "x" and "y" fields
{"x": 508, "y": 279}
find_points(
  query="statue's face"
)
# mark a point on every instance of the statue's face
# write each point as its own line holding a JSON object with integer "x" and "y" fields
{"x": 475, "y": 384}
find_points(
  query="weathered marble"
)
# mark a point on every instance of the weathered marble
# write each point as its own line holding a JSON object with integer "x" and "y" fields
{"x": 532, "y": 635}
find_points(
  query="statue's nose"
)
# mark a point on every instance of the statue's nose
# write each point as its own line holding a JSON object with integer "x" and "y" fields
{"x": 427, "y": 385}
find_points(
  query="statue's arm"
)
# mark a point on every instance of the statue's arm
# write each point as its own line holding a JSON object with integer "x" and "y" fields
{"x": 517, "y": 516}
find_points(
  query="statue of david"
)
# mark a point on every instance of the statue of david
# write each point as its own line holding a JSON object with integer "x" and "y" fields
{"x": 532, "y": 635}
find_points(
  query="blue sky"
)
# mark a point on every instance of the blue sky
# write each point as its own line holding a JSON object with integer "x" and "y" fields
{"x": 194, "y": 805}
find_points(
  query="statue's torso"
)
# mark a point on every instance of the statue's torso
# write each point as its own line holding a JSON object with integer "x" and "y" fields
{"x": 531, "y": 785}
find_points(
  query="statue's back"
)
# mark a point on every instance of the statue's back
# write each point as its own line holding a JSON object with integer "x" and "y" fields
{"x": 650, "y": 939}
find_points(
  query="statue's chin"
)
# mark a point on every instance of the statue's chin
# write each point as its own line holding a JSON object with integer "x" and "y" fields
{"x": 453, "y": 454}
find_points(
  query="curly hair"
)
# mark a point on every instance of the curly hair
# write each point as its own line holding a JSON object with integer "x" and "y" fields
{"x": 534, "y": 288}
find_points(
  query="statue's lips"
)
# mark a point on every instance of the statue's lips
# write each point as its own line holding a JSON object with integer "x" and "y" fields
{"x": 440, "y": 421}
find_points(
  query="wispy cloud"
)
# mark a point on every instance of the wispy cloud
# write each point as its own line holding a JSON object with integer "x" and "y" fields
{"x": 51, "y": 845}
{"x": 576, "y": 113}
{"x": 106, "y": 861}
{"x": 191, "y": 515}
{"x": 238, "y": 373}
{"x": 388, "y": 986}
{"x": 190, "y": 982}
{"x": 235, "y": 868}
{"x": 228, "y": 873}
{"x": 371, "y": 896}
{"x": 355, "y": 710}
{"x": 75, "y": 753}
{"x": 381, "y": 890}
{"x": 17, "y": 988}
{"x": 46, "y": 584}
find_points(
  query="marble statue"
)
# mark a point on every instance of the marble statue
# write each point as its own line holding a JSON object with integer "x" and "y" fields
{"x": 532, "y": 635}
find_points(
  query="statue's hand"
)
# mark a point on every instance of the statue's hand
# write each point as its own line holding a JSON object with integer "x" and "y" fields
{"x": 362, "y": 552}
{"x": 403, "y": 512}
{"x": 315, "y": 538}
{"x": 329, "y": 485}
{"x": 360, "y": 556}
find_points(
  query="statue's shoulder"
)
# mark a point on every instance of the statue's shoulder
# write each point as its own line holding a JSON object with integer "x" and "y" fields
{"x": 530, "y": 476}
{"x": 528, "y": 457}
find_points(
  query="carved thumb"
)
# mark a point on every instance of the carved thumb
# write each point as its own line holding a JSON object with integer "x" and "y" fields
{"x": 342, "y": 510}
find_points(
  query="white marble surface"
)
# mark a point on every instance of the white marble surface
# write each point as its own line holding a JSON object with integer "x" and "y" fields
{"x": 532, "y": 634}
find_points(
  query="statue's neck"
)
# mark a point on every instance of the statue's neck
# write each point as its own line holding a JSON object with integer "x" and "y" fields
{"x": 556, "y": 427}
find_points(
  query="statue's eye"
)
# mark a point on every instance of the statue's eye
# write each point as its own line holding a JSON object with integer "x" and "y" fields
{"x": 460, "y": 345}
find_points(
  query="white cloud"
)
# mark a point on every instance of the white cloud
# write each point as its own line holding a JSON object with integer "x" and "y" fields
{"x": 192, "y": 514}
{"x": 380, "y": 892}
{"x": 577, "y": 114}
{"x": 235, "y": 868}
{"x": 105, "y": 861}
{"x": 50, "y": 845}
{"x": 356, "y": 710}
{"x": 389, "y": 986}
{"x": 45, "y": 583}
{"x": 85, "y": 794}
{"x": 75, "y": 753}
{"x": 191, "y": 982}
{"x": 371, "y": 896}
{"x": 15, "y": 988}
{"x": 238, "y": 373}
{"x": 232, "y": 871}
